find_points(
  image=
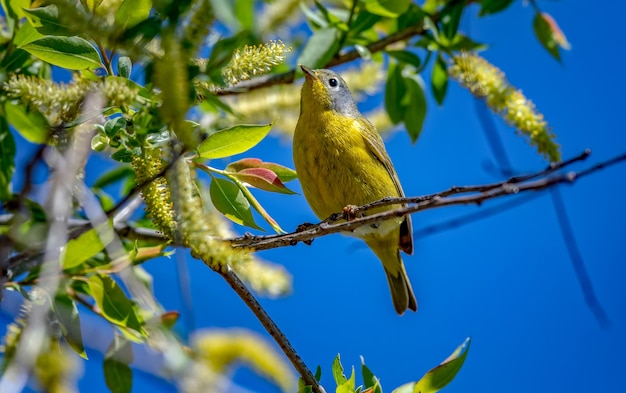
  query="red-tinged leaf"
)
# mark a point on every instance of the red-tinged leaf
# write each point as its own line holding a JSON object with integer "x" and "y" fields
{"x": 557, "y": 33}
{"x": 169, "y": 318}
{"x": 284, "y": 174}
{"x": 262, "y": 178}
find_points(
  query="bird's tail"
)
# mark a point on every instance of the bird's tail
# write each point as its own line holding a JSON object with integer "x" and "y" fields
{"x": 401, "y": 292}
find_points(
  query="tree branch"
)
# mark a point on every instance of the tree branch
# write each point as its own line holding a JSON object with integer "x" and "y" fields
{"x": 239, "y": 287}
{"x": 289, "y": 76}
{"x": 477, "y": 195}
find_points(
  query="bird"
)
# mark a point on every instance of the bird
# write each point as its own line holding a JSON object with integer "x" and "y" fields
{"x": 341, "y": 161}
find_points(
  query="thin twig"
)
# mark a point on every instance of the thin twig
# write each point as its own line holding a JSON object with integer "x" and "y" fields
{"x": 289, "y": 76}
{"x": 239, "y": 287}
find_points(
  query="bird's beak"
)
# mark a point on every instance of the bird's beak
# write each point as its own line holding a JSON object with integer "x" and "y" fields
{"x": 308, "y": 73}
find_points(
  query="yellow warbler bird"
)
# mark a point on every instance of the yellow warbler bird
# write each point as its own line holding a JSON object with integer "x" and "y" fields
{"x": 341, "y": 160}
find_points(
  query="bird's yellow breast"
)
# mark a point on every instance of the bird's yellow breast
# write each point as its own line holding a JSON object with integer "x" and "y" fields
{"x": 334, "y": 164}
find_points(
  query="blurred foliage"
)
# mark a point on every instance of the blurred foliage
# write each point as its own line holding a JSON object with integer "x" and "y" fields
{"x": 179, "y": 86}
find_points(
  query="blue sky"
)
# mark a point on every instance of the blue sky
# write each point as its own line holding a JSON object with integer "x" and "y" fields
{"x": 506, "y": 281}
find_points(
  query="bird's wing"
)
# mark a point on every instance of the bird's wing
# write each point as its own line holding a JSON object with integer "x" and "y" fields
{"x": 375, "y": 144}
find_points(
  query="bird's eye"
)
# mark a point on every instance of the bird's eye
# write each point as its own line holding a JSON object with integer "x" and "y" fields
{"x": 333, "y": 82}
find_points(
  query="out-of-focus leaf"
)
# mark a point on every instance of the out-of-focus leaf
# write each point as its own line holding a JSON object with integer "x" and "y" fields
{"x": 32, "y": 125}
{"x": 320, "y": 48}
{"x": 364, "y": 21}
{"x": 122, "y": 155}
{"x": 414, "y": 107}
{"x": 439, "y": 80}
{"x": 337, "y": 370}
{"x": 545, "y": 35}
{"x": 15, "y": 8}
{"x": 124, "y": 66}
{"x": 73, "y": 53}
{"x": 67, "y": 315}
{"x": 113, "y": 303}
{"x": 244, "y": 11}
{"x": 114, "y": 175}
{"x": 451, "y": 17}
{"x": 231, "y": 202}
{"x": 264, "y": 179}
{"x": 493, "y": 6}
{"x": 46, "y": 21}
{"x": 462, "y": 42}
{"x": 225, "y": 12}
{"x": 437, "y": 378}
{"x": 412, "y": 17}
{"x": 131, "y": 12}
{"x": 7, "y": 159}
{"x": 284, "y": 174}
{"x": 387, "y": 8}
{"x": 233, "y": 140}
{"x": 395, "y": 90}
{"x": 406, "y": 57}
{"x": 117, "y": 372}
{"x": 85, "y": 246}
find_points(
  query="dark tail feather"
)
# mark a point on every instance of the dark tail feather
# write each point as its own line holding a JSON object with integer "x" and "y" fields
{"x": 401, "y": 291}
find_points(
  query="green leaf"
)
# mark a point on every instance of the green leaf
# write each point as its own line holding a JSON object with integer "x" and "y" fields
{"x": 117, "y": 372}
{"x": 122, "y": 155}
{"x": 244, "y": 11}
{"x": 369, "y": 379}
{"x": 387, "y": 8}
{"x": 395, "y": 89}
{"x": 284, "y": 174}
{"x": 32, "y": 125}
{"x": 7, "y": 159}
{"x": 493, "y": 6}
{"x": 132, "y": 12}
{"x": 26, "y": 34}
{"x": 320, "y": 48}
{"x": 348, "y": 386}
{"x": 87, "y": 245}
{"x": 114, "y": 175}
{"x": 233, "y": 140}
{"x": 231, "y": 202}
{"x": 545, "y": 35}
{"x": 337, "y": 370}
{"x": 364, "y": 21}
{"x": 124, "y": 66}
{"x": 451, "y": 17}
{"x": 113, "y": 303}
{"x": 437, "y": 378}
{"x": 73, "y": 53}
{"x": 46, "y": 21}
{"x": 15, "y": 8}
{"x": 225, "y": 12}
{"x": 406, "y": 57}
{"x": 262, "y": 178}
{"x": 415, "y": 107}
{"x": 439, "y": 80}
{"x": 66, "y": 313}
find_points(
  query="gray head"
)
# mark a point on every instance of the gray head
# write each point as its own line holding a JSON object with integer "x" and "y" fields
{"x": 325, "y": 90}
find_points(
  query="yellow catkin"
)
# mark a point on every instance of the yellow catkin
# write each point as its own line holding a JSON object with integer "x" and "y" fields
{"x": 220, "y": 350}
{"x": 254, "y": 60}
{"x": 488, "y": 82}
{"x": 61, "y": 102}
{"x": 155, "y": 192}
